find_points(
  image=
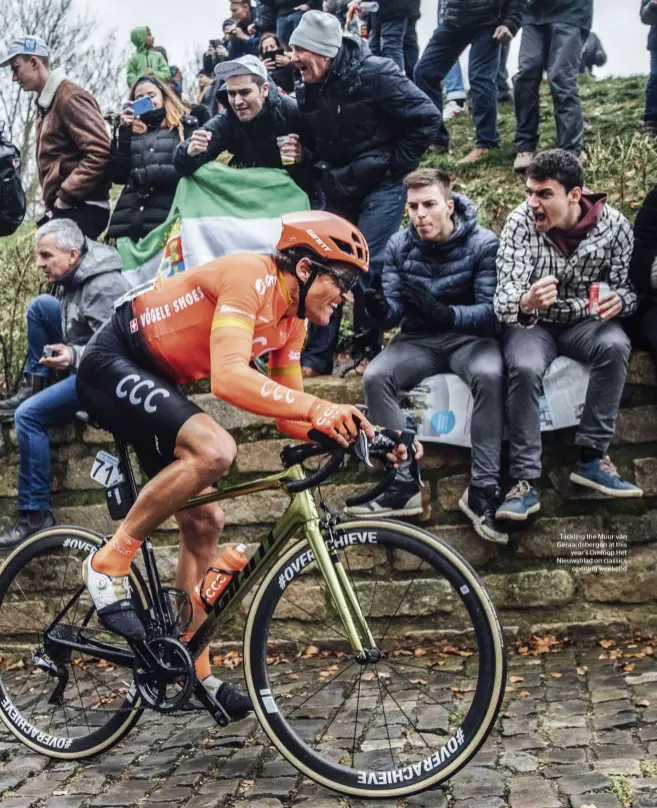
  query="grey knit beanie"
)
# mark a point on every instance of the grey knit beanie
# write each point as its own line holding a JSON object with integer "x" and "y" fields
{"x": 319, "y": 33}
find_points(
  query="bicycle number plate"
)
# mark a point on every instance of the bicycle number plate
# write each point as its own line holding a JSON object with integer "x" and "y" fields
{"x": 106, "y": 470}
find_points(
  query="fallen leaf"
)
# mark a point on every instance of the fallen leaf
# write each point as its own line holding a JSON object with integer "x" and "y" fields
{"x": 420, "y": 652}
{"x": 418, "y": 681}
{"x": 523, "y": 694}
{"x": 642, "y": 703}
{"x": 516, "y": 679}
{"x": 556, "y": 675}
{"x": 582, "y": 670}
{"x": 629, "y": 667}
{"x": 607, "y": 643}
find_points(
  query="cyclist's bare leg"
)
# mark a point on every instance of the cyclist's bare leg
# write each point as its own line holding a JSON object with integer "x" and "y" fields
{"x": 200, "y": 529}
{"x": 204, "y": 453}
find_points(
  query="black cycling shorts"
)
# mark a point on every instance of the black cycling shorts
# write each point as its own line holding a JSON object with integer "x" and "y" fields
{"x": 129, "y": 396}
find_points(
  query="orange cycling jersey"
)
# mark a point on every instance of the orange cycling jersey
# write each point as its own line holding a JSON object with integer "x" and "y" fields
{"x": 213, "y": 320}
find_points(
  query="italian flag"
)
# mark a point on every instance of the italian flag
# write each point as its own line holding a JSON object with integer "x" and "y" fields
{"x": 217, "y": 211}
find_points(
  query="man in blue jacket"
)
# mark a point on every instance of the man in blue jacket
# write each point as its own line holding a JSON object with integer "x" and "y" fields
{"x": 553, "y": 36}
{"x": 439, "y": 280}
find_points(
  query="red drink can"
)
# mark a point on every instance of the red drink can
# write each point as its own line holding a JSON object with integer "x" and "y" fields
{"x": 596, "y": 291}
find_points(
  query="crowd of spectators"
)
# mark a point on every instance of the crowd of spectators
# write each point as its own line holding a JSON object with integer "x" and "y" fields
{"x": 350, "y": 119}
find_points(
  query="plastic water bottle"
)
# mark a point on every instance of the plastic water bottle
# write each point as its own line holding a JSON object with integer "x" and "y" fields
{"x": 229, "y": 563}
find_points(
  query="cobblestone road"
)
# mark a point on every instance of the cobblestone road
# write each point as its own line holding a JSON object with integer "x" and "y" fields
{"x": 579, "y": 728}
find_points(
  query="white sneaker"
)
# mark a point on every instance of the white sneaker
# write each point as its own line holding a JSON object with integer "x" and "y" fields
{"x": 112, "y": 598}
{"x": 453, "y": 109}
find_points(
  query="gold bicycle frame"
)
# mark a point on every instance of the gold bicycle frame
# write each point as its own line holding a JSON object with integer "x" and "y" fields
{"x": 301, "y": 514}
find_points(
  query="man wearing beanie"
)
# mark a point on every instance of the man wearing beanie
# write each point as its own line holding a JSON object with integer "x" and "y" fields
{"x": 367, "y": 127}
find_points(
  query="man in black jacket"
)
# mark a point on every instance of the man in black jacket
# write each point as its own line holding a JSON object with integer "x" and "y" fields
{"x": 260, "y": 127}
{"x": 485, "y": 25}
{"x": 553, "y": 36}
{"x": 367, "y": 126}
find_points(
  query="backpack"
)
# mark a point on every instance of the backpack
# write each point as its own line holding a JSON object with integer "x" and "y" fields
{"x": 12, "y": 196}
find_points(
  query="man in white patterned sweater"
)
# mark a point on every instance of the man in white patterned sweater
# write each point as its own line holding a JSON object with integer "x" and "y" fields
{"x": 553, "y": 247}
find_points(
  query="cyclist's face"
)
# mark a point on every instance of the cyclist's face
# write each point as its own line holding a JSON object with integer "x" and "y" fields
{"x": 327, "y": 292}
{"x": 54, "y": 262}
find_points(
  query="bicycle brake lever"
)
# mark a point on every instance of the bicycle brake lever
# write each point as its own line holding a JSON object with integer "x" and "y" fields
{"x": 415, "y": 471}
{"x": 362, "y": 449}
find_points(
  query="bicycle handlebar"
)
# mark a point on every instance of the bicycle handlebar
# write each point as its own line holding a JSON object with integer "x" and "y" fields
{"x": 385, "y": 441}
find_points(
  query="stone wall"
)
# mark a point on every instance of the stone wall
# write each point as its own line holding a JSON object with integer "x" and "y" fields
{"x": 534, "y": 582}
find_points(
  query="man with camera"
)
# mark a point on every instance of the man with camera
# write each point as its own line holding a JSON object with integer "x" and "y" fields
{"x": 260, "y": 126}
{"x": 88, "y": 276}
{"x": 72, "y": 141}
{"x": 241, "y": 38}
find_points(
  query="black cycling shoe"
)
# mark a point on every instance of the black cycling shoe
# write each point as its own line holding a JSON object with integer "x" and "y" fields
{"x": 234, "y": 702}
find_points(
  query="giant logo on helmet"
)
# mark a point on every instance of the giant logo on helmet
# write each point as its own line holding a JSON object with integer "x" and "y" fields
{"x": 319, "y": 241}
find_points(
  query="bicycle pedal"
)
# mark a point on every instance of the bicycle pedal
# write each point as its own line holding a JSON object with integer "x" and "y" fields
{"x": 212, "y": 705}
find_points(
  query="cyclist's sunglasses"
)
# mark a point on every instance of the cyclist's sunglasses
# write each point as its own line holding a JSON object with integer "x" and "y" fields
{"x": 345, "y": 279}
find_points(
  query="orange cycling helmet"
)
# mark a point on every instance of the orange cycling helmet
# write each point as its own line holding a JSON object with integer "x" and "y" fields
{"x": 331, "y": 237}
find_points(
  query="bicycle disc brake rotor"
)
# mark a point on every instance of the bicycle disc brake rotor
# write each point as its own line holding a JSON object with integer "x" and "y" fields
{"x": 166, "y": 690}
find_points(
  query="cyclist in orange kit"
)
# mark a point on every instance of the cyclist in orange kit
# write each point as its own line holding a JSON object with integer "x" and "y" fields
{"x": 211, "y": 321}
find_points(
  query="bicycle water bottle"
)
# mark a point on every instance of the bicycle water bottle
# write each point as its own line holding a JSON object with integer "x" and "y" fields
{"x": 228, "y": 564}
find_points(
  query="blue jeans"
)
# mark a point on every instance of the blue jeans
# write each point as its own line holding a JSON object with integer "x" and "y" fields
{"x": 44, "y": 327}
{"x": 54, "y": 406}
{"x": 378, "y": 216}
{"x": 286, "y": 23}
{"x": 447, "y": 43}
{"x": 387, "y": 39}
{"x": 650, "y": 113}
{"x": 454, "y": 86}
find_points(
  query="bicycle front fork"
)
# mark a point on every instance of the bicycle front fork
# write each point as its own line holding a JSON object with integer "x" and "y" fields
{"x": 340, "y": 586}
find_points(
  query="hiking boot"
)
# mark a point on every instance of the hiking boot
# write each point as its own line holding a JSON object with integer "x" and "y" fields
{"x": 33, "y": 384}
{"x": 309, "y": 373}
{"x": 111, "y": 597}
{"x": 600, "y": 474}
{"x": 505, "y": 96}
{"x": 519, "y": 503}
{"x": 453, "y": 109}
{"x": 234, "y": 702}
{"x": 475, "y": 156}
{"x": 523, "y": 160}
{"x": 478, "y": 504}
{"x": 403, "y": 498}
{"x": 27, "y": 524}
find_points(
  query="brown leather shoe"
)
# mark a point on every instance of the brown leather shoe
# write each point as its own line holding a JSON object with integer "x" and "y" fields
{"x": 475, "y": 156}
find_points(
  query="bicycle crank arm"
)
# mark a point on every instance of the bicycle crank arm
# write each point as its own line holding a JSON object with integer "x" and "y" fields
{"x": 153, "y": 666}
{"x": 213, "y": 707}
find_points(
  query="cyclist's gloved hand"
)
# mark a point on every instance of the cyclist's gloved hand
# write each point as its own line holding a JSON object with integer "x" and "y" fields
{"x": 339, "y": 421}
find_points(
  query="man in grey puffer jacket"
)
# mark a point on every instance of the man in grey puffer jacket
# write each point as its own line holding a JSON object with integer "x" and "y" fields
{"x": 89, "y": 278}
{"x": 439, "y": 280}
